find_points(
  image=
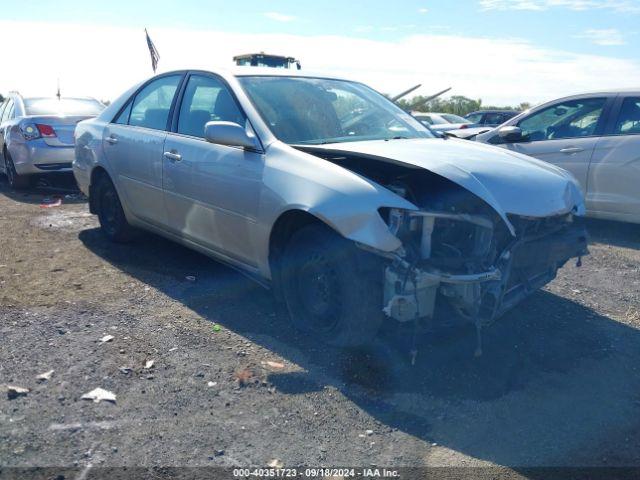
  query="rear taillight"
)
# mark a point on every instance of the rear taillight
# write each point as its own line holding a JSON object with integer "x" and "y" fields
{"x": 46, "y": 131}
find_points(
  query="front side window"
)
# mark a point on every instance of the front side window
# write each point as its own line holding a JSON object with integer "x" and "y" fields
{"x": 206, "y": 99}
{"x": 152, "y": 104}
{"x": 628, "y": 122}
{"x": 316, "y": 111}
{"x": 572, "y": 119}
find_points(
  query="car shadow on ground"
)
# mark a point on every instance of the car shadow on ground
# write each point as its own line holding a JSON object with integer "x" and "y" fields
{"x": 45, "y": 189}
{"x": 555, "y": 381}
{"x": 620, "y": 234}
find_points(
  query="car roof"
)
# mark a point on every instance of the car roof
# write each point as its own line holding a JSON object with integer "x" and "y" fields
{"x": 56, "y": 98}
{"x": 493, "y": 111}
{"x": 249, "y": 71}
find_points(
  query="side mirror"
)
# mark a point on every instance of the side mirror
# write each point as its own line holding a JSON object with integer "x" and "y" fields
{"x": 511, "y": 134}
{"x": 229, "y": 133}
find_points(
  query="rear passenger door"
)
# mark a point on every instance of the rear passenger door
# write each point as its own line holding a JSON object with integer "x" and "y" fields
{"x": 7, "y": 107}
{"x": 133, "y": 144}
{"x": 614, "y": 176}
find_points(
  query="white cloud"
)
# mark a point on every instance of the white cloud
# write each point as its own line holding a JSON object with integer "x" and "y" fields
{"x": 105, "y": 61}
{"x": 423, "y": 10}
{"x": 279, "y": 17}
{"x": 620, "y": 6}
{"x": 606, "y": 37}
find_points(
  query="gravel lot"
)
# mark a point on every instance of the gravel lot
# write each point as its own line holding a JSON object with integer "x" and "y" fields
{"x": 231, "y": 384}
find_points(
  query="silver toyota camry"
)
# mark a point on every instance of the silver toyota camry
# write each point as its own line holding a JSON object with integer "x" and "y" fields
{"x": 325, "y": 191}
{"x": 36, "y": 134}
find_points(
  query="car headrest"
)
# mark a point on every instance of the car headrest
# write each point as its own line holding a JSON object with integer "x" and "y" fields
{"x": 156, "y": 118}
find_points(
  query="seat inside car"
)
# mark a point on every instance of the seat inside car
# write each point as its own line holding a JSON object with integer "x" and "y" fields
{"x": 193, "y": 122}
{"x": 156, "y": 118}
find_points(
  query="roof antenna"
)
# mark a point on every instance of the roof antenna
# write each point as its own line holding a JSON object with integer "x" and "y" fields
{"x": 58, "y": 94}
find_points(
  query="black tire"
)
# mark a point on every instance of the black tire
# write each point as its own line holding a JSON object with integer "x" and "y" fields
{"x": 332, "y": 289}
{"x": 16, "y": 182}
{"x": 113, "y": 222}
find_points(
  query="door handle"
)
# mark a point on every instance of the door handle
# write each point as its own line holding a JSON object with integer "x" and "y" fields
{"x": 569, "y": 150}
{"x": 174, "y": 157}
{"x": 112, "y": 139}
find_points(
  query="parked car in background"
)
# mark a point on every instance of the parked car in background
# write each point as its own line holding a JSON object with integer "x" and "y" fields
{"x": 480, "y": 122}
{"x": 329, "y": 193}
{"x": 595, "y": 136}
{"x": 440, "y": 122}
{"x": 36, "y": 134}
{"x": 490, "y": 118}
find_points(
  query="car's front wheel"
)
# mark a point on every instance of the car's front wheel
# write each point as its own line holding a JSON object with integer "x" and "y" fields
{"x": 332, "y": 289}
{"x": 110, "y": 213}
{"x": 16, "y": 182}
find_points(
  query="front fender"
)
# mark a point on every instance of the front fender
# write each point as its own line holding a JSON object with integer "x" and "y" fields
{"x": 345, "y": 201}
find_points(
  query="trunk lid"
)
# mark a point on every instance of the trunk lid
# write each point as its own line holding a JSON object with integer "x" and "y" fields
{"x": 63, "y": 126}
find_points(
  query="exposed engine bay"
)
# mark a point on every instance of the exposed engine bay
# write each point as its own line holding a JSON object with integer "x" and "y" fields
{"x": 456, "y": 249}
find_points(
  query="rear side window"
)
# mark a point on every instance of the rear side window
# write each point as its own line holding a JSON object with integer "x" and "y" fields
{"x": 123, "y": 118}
{"x": 150, "y": 109}
{"x": 628, "y": 122}
{"x": 572, "y": 119}
{"x": 493, "y": 118}
{"x": 206, "y": 99}
{"x": 64, "y": 106}
{"x": 2, "y": 107}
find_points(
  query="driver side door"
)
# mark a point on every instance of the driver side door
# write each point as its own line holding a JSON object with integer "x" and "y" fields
{"x": 564, "y": 134}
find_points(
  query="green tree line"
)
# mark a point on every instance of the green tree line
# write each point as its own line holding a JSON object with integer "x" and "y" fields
{"x": 457, "y": 104}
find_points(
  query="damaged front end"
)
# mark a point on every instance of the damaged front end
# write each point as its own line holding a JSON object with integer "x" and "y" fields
{"x": 462, "y": 255}
{"x": 472, "y": 263}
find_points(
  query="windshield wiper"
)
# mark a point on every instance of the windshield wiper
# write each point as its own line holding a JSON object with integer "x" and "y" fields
{"x": 399, "y": 137}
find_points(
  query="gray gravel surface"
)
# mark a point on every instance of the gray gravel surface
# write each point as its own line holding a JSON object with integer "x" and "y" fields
{"x": 232, "y": 384}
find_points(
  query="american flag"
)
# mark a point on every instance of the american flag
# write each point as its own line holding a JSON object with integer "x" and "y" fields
{"x": 155, "y": 56}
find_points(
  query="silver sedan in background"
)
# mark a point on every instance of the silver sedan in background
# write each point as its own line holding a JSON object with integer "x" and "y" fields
{"x": 595, "y": 136}
{"x": 326, "y": 191}
{"x": 36, "y": 135}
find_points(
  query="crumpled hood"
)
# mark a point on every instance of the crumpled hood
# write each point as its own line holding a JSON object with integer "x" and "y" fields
{"x": 510, "y": 182}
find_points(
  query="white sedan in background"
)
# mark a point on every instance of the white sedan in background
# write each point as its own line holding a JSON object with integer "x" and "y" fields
{"x": 441, "y": 122}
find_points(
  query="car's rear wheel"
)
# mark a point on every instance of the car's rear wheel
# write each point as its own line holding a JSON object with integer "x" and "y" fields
{"x": 332, "y": 289}
{"x": 17, "y": 182}
{"x": 110, "y": 213}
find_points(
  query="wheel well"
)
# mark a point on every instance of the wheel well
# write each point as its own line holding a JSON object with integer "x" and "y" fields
{"x": 97, "y": 173}
{"x": 287, "y": 224}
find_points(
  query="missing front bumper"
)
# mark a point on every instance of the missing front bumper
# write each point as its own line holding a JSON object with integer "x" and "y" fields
{"x": 530, "y": 262}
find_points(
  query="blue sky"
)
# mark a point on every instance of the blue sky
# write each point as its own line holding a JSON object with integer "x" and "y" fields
{"x": 551, "y": 24}
{"x": 561, "y": 31}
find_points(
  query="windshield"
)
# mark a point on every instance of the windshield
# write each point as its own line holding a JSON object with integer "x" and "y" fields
{"x": 316, "y": 111}
{"x": 64, "y": 106}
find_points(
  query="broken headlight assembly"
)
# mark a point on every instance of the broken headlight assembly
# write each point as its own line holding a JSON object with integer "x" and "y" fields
{"x": 456, "y": 243}
{"x": 438, "y": 247}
